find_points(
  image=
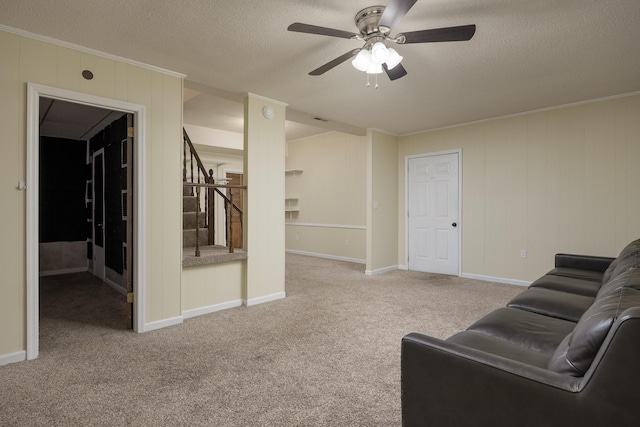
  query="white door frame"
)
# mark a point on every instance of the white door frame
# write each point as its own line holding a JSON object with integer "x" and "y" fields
{"x": 34, "y": 92}
{"x": 406, "y": 202}
{"x": 101, "y": 271}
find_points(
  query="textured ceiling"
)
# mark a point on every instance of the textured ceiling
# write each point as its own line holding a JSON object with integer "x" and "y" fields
{"x": 525, "y": 55}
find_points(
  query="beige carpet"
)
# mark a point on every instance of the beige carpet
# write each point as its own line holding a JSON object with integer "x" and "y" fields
{"x": 327, "y": 355}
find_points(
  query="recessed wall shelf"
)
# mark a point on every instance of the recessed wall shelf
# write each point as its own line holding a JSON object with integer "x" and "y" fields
{"x": 291, "y": 207}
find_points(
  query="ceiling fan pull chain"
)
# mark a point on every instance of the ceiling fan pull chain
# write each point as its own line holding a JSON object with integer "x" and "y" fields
{"x": 376, "y": 82}
{"x": 368, "y": 84}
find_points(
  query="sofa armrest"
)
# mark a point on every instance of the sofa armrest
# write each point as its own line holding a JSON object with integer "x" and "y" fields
{"x": 446, "y": 384}
{"x": 583, "y": 262}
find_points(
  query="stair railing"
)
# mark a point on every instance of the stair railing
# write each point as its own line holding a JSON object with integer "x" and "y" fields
{"x": 207, "y": 182}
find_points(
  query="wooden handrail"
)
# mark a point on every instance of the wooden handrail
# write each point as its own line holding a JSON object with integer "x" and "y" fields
{"x": 195, "y": 153}
{"x": 226, "y": 199}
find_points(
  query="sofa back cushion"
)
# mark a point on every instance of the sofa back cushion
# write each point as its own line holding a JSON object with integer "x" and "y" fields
{"x": 629, "y": 258}
{"x": 578, "y": 349}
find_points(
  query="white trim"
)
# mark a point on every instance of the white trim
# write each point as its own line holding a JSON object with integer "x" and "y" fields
{"x": 309, "y": 224}
{"x": 386, "y": 132}
{"x": 115, "y": 286}
{"x": 310, "y": 136}
{"x": 34, "y": 92}
{"x": 264, "y": 299}
{"x": 63, "y": 271}
{"x": 457, "y": 151}
{"x": 403, "y": 267}
{"x": 265, "y": 99}
{"x": 381, "y": 270}
{"x": 152, "y": 326}
{"x": 88, "y": 50}
{"x": 526, "y": 113}
{"x": 18, "y": 356}
{"x": 188, "y": 314}
{"x": 495, "y": 279}
{"x": 326, "y": 256}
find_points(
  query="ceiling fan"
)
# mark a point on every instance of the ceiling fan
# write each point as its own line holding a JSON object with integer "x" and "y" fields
{"x": 374, "y": 25}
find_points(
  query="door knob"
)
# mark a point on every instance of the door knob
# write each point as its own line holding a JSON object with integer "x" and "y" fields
{"x": 455, "y": 224}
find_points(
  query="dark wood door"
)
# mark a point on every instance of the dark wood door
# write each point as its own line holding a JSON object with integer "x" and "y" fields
{"x": 235, "y": 179}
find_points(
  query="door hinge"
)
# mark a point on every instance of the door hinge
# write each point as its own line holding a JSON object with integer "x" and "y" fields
{"x": 129, "y": 297}
{"x": 130, "y": 132}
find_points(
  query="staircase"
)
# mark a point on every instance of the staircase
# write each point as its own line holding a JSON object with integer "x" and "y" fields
{"x": 198, "y": 218}
{"x": 189, "y": 215}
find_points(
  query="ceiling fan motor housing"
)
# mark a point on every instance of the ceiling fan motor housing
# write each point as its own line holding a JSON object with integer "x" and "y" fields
{"x": 367, "y": 20}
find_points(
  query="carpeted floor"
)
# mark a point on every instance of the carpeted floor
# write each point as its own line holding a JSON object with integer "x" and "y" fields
{"x": 327, "y": 355}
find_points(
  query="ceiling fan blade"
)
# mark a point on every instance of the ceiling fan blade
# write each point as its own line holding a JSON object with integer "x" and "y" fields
{"x": 396, "y": 72}
{"x": 322, "y": 31}
{"x": 448, "y": 34}
{"x": 393, "y": 13}
{"x": 329, "y": 65}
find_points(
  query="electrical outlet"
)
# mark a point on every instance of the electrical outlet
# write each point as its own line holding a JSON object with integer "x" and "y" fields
{"x": 346, "y": 243}
{"x": 523, "y": 253}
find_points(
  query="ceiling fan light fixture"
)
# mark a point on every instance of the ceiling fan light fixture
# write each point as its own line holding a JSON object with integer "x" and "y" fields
{"x": 362, "y": 60}
{"x": 375, "y": 68}
{"x": 393, "y": 59}
{"x": 379, "y": 53}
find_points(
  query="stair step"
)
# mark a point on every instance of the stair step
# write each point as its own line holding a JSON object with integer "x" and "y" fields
{"x": 189, "y": 237}
{"x": 189, "y": 220}
{"x": 190, "y": 204}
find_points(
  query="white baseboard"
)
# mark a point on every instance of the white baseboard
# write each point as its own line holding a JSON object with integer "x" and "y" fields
{"x": 162, "y": 324}
{"x": 63, "y": 271}
{"x": 334, "y": 257}
{"x": 403, "y": 267}
{"x": 495, "y": 279}
{"x": 381, "y": 270}
{"x": 16, "y": 357}
{"x": 266, "y": 298}
{"x": 187, "y": 314}
{"x": 115, "y": 286}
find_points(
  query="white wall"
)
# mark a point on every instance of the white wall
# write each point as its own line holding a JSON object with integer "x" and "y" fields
{"x": 26, "y": 59}
{"x": 382, "y": 202}
{"x": 331, "y": 192}
{"x": 562, "y": 180}
{"x": 264, "y": 146}
{"x": 214, "y": 137}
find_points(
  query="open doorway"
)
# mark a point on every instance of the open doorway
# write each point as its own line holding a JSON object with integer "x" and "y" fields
{"x": 114, "y": 219}
{"x": 84, "y": 186}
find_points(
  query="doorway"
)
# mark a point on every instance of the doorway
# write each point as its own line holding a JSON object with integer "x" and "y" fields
{"x": 131, "y": 251}
{"x": 234, "y": 227}
{"x": 433, "y": 213}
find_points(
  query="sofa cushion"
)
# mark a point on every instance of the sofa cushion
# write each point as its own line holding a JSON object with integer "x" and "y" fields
{"x": 576, "y": 352}
{"x": 499, "y": 347}
{"x": 629, "y": 258}
{"x": 577, "y": 273}
{"x": 524, "y": 328}
{"x": 549, "y": 302}
{"x": 572, "y": 285}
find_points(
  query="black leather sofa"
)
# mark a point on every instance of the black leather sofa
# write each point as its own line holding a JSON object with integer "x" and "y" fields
{"x": 565, "y": 352}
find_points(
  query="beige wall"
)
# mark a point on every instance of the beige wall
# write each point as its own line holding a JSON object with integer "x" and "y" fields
{"x": 331, "y": 192}
{"x": 210, "y": 288}
{"x": 382, "y": 202}
{"x": 562, "y": 180}
{"x": 264, "y": 147}
{"x": 28, "y": 60}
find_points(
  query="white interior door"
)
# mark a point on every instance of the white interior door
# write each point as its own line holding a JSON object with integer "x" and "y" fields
{"x": 98, "y": 214}
{"x": 433, "y": 214}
